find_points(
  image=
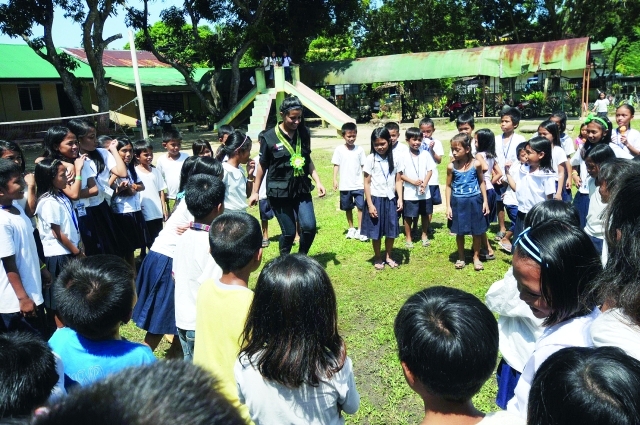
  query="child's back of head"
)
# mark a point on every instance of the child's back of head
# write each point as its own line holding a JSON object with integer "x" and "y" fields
{"x": 94, "y": 295}
{"x": 203, "y": 194}
{"x": 234, "y": 239}
{"x": 448, "y": 341}
{"x": 27, "y": 373}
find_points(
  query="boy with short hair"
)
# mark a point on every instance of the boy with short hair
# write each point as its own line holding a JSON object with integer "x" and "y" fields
{"x": 348, "y": 160}
{"x": 465, "y": 123}
{"x": 448, "y": 348}
{"x": 192, "y": 262}
{"x": 170, "y": 164}
{"x": 222, "y": 305}
{"x": 21, "y": 274}
{"x": 506, "y": 145}
{"x": 436, "y": 151}
{"x": 95, "y": 295}
{"x": 394, "y": 132}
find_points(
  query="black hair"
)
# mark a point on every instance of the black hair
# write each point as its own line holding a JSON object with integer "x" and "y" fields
{"x": 81, "y": 128}
{"x": 94, "y": 295}
{"x": 8, "y": 170}
{"x": 466, "y": 118}
{"x": 161, "y": 393}
{"x": 605, "y": 127}
{"x": 392, "y": 125}
{"x": 299, "y": 343}
{"x": 199, "y": 165}
{"x": 203, "y": 193}
{"x": 569, "y": 264}
{"x": 45, "y": 172}
{"x": 171, "y": 135}
{"x": 11, "y": 146}
{"x": 413, "y": 133}
{"x": 619, "y": 283}
{"x": 27, "y": 373}
{"x": 587, "y": 386}
{"x": 448, "y": 339}
{"x": 290, "y": 103}
{"x": 611, "y": 171}
{"x": 486, "y": 142}
{"x": 562, "y": 125}
{"x": 629, "y": 107}
{"x": 349, "y": 126}
{"x": 552, "y": 128}
{"x": 236, "y": 142}
{"x": 383, "y": 133}
{"x": 224, "y": 130}
{"x": 140, "y": 146}
{"x": 55, "y": 135}
{"x": 552, "y": 209}
{"x": 426, "y": 121}
{"x": 199, "y": 146}
{"x": 465, "y": 141}
{"x": 234, "y": 239}
{"x": 521, "y": 146}
{"x": 104, "y": 139}
{"x": 131, "y": 166}
{"x": 600, "y": 153}
{"x": 186, "y": 170}
{"x": 542, "y": 145}
{"x": 512, "y": 112}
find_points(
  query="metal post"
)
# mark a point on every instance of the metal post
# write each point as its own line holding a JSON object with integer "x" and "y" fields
{"x": 136, "y": 76}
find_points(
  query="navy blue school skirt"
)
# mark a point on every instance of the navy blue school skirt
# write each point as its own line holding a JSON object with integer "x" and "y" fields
{"x": 98, "y": 232}
{"x": 581, "y": 202}
{"x": 386, "y": 224}
{"x": 492, "y": 200}
{"x": 133, "y": 230}
{"x": 467, "y": 215}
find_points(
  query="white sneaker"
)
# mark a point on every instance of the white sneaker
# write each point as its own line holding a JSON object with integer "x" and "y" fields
{"x": 362, "y": 238}
{"x": 356, "y": 234}
{"x": 351, "y": 233}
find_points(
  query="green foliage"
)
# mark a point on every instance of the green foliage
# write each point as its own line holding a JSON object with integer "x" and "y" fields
{"x": 329, "y": 48}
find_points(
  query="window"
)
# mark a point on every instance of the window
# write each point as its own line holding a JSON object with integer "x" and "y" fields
{"x": 30, "y": 98}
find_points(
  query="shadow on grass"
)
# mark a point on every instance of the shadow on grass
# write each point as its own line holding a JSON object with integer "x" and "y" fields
{"x": 325, "y": 258}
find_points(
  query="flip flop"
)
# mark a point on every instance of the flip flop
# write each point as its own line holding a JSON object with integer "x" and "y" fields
{"x": 505, "y": 246}
{"x": 487, "y": 257}
{"x": 392, "y": 264}
{"x": 499, "y": 236}
{"x": 379, "y": 265}
{"x": 477, "y": 266}
{"x": 460, "y": 264}
{"x": 426, "y": 242}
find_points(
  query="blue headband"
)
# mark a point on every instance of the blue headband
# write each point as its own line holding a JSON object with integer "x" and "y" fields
{"x": 524, "y": 241}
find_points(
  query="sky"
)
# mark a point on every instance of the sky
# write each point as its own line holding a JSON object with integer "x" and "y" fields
{"x": 66, "y": 33}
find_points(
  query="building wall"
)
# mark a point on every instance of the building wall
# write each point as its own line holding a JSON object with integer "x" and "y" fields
{"x": 10, "y": 103}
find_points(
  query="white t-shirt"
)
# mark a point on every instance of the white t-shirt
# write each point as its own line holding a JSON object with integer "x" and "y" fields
{"x": 533, "y": 188}
{"x": 383, "y": 183}
{"x": 126, "y": 204}
{"x": 438, "y": 150}
{"x": 103, "y": 177}
{"x": 567, "y": 144}
{"x": 577, "y": 161}
{"x": 235, "y": 195}
{"x": 350, "y": 162}
{"x": 501, "y": 418}
{"x": 170, "y": 170}
{"x": 506, "y": 149}
{"x": 56, "y": 210}
{"x": 614, "y": 328}
{"x": 167, "y": 239}
{"x": 416, "y": 167}
{"x": 190, "y": 260}
{"x": 272, "y": 403}
{"x": 595, "y": 221}
{"x": 16, "y": 238}
{"x": 286, "y": 61}
{"x": 90, "y": 171}
{"x": 622, "y": 151}
{"x": 601, "y": 105}
{"x": 570, "y": 333}
{"x": 509, "y": 197}
{"x": 150, "y": 197}
{"x": 558, "y": 157}
{"x": 262, "y": 192}
{"x": 399, "y": 149}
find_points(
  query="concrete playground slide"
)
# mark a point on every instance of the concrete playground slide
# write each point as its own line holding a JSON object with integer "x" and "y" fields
{"x": 318, "y": 104}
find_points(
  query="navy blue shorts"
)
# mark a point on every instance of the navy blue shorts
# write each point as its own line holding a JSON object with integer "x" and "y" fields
{"x": 500, "y": 190}
{"x": 412, "y": 209}
{"x": 266, "y": 213}
{"x": 512, "y": 213}
{"x": 436, "y": 198}
{"x": 351, "y": 198}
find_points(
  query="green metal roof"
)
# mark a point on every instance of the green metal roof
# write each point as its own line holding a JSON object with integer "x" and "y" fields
{"x": 151, "y": 77}
{"x": 494, "y": 61}
{"x": 20, "y": 62}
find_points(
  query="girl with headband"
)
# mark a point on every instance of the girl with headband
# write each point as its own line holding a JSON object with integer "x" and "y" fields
{"x": 237, "y": 149}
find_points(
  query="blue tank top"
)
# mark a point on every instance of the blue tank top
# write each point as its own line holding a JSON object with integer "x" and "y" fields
{"x": 465, "y": 183}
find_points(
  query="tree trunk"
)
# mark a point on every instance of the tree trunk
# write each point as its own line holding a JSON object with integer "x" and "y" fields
{"x": 235, "y": 73}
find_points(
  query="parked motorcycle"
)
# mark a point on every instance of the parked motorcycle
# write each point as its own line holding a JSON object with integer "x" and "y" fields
{"x": 455, "y": 108}
{"x": 528, "y": 108}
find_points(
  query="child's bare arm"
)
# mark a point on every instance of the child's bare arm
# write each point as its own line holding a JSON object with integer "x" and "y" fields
{"x": 92, "y": 189}
{"x": 447, "y": 191}
{"x": 483, "y": 189}
{"x": 399, "y": 188}
{"x": 163, "y": 202}
{"x": 496, "y": 173}
{"x": 336, "y": 167}
{"x": 27, "y": 305}
{"x": 64, "y": 240}
{"x": 367, "y": 193}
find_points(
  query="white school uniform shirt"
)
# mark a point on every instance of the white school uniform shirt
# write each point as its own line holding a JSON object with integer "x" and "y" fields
{"x": 383, "y": 183}
{"x": 126, "y": 204}
{"x": 400, "y": 149}
{"x": 350, "y": 162}
{"x": 570, "y": 333}
{"x": 578, "y": 161}
{"x": 272, "y": 403}
{"x": 90, "y": 170}
{"x": 150, "y": 201}
{"x": 262, "y": 191}
{"x": 103, "y": 177}
{"x": 165, "y": 242}
{"x": 509, "y": 197}
{"x": 501, "y": 418}
{"x": 622, "y": 151}
{"x": 518, "y": 328}
{"x": 533, "y": 188}
{"x": 416, "y": 167}
{"x": 602, "y": 105}
{"x": 614, "y": 328}
{"x": 595, "y": 221}
{"x": 235, "y": 195}
{"x": 191, "y": 259}
{"x": 506, "y": 149}
{"x": 567, "y": 144}
{"x": 56, "y": 210}
{"x": 438, "y": 150}
{"x": 170, "y": 170}
{"x": 16, "y": 238}
{"x": 558, "y": 157}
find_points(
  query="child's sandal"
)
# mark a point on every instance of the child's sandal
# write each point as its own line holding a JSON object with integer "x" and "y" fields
{"x": 460, "y": 264}
{"x": 478, "y": 266}
{"x": 392, "y": 264}
{"x": 379, "y": 265}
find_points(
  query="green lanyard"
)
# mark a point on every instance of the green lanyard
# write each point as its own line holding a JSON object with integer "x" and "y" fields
{"x": 297, "y": 161}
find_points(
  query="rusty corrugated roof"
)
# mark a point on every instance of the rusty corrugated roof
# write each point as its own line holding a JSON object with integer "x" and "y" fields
{"x": 121, "y": 58}
{"x": 494, "y": 61}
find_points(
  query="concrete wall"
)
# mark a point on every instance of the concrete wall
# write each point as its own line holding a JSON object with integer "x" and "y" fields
{"x": 10, "y": 103}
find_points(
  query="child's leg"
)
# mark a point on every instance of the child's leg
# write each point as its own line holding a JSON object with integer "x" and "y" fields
{"x": 265, "y": 229}
{"x": 350, "y": 218}
{"x": 500, "y": 208}
{"x": 477, "y": 241}
{"x": 408, "y": 221}
{"x": 131, "y": 260}
{"x": 377, "y": 258}
{"x": 425, "y": 227}
{"x": 460, "y": 242}
{"x": 388, "y": 247}
{"x": 486, "y": 245}
{"x": 359, "y": 218}
{"x": 152, "y": 340}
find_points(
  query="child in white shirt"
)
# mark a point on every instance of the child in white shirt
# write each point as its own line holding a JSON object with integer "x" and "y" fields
{"x": 170, "y": 165}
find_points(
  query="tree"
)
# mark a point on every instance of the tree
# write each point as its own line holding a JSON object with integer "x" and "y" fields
{"x": 19, "y": 17}
{"x": 324, "y": 48}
